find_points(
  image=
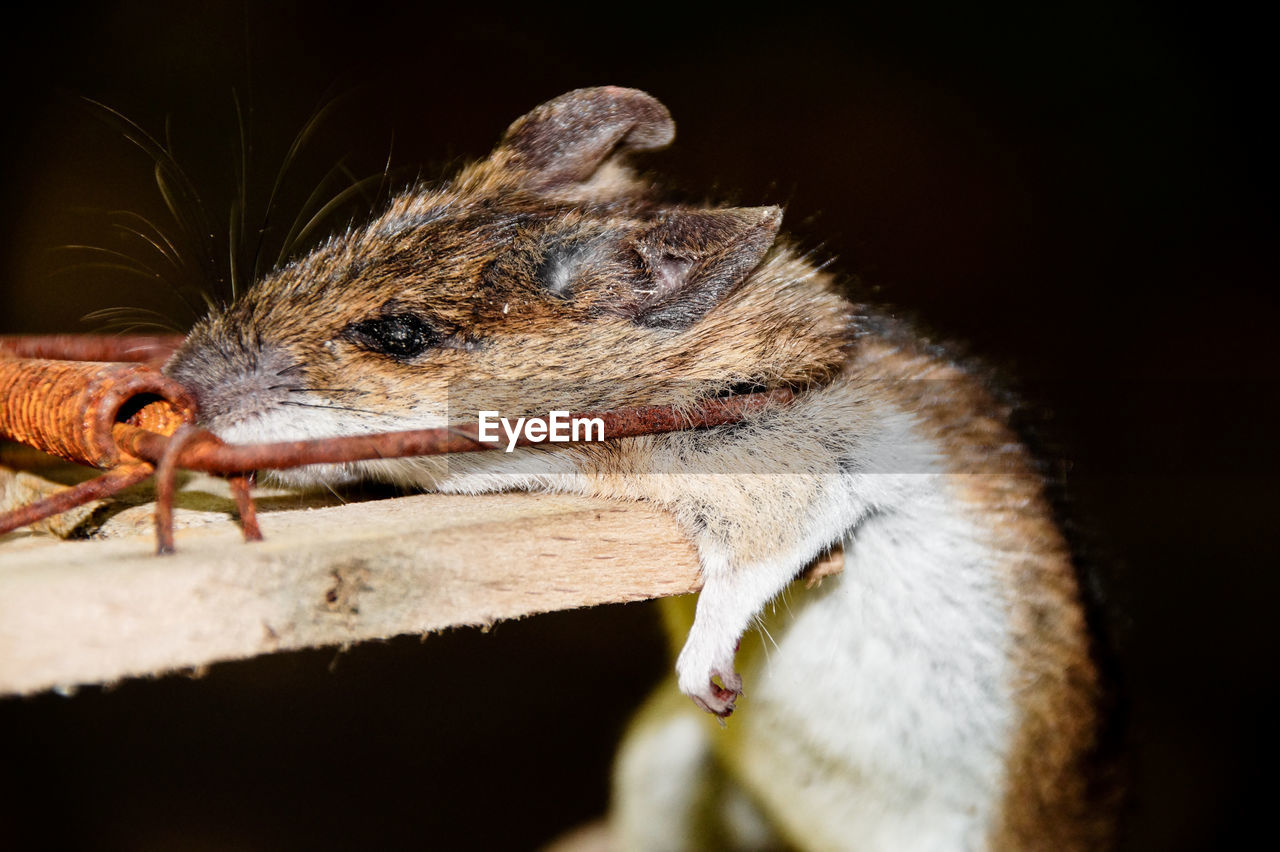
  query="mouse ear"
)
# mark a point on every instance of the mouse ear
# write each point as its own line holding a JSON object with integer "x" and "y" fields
{"x": 566, "y": 140}
{"x": 691, "y": 259}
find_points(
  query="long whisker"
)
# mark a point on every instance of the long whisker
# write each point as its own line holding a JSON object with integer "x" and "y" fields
{"x": 126, "y": 263}
{"x": 294, "y": 234}
{"x": 133, "y": 269}
{"x": 159, "y": 233}
{"x": 162, "y": 250}
{"x": 126, "y": 260}
{"x": 319, "y": 115}
{"x": 129, "y": 319}
{"x": 176, "y": 188}
{"x": 353, "y": 180}
{"x": 385, "y": 185}
{"x": 107, "y": 313}
{"x": 158, "y": 240}
{"x": 331, "y": 407}
{"x": 239, "y": 205}
{"x": 234, "y": 221}
{"x": 337, "y": 201}
{"x": 126, "y": 229}
{"x": 71, "y": 268}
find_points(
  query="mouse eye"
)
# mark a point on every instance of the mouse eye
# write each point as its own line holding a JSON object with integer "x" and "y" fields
{"x": 398, "y": 335}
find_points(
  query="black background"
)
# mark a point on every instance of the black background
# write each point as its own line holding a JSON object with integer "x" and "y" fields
{"x": 1084, "y": 195}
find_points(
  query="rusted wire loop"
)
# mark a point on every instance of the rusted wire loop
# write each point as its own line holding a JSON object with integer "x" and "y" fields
{"x": 68, "y": 408}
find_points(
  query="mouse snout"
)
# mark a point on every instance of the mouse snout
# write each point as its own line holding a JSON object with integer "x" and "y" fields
{"x": 234, "y": 379}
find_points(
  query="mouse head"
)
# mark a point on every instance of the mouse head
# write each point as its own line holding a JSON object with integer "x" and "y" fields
{"x": 543, "y": 277}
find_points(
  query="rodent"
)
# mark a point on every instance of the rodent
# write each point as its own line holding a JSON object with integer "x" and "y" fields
{"x": 939, "y": 694}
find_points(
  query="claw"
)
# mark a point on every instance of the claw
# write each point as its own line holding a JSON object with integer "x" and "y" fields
{"x": 720, "y": 698}
{"x": 706, "y": 671}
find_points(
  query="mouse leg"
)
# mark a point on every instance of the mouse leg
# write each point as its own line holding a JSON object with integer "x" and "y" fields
{"x": 735, "y": 589}
{"x": 759, "y": 503}
{"x": 754, "y": 533}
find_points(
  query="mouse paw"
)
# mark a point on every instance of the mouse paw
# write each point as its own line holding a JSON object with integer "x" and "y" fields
{"x": 698, "y": 680}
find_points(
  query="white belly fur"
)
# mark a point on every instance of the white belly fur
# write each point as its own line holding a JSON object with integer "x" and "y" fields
{"x": 882, "y": 716}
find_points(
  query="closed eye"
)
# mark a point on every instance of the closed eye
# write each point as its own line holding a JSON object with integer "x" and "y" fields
{"x": 399, "y": 336}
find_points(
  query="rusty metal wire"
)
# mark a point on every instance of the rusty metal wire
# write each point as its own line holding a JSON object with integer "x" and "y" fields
{"x": 111, "y": 482}
{"x": 242, "y": 492}
{"x": 204, "y": 451}
{"x": 136, "y": 348}
{"x": 68, "y": 408}
{"x": 133, "y": 420}
{"x": 198, "y": 449}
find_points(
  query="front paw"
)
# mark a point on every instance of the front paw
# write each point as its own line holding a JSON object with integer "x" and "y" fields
{"x": 698, "y": 677}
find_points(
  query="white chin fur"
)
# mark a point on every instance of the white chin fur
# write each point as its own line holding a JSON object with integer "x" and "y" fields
{"x": 316, "y": 422}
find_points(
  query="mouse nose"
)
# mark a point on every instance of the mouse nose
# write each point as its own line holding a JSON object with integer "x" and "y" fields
{"x": 233, "y": 378}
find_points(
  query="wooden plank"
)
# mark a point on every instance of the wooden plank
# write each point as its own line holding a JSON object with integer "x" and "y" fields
{"x": 95, "y": 611}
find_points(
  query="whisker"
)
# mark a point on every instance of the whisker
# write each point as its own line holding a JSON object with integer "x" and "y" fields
{"x": 102, "y": 264}
{"x": 129, "y": 229}
{"x": 331, "y": 407}
{"x": 126, "y": 258}
{"x": 130, "y": 319}
{"x": 353, "y": 180}
{"x": 384, "y": 184}
{"x": 175, "y": 288}
{"x": 317, "y": 116}
{"x": 295, "y": 231}
{"x": 103, "y": 313}
{"x": 140, "y": 317}
{"x": 130, "y": 264}
{"x": 234, "y": 220}
{"x": 175, "y": 197}
{"x": 318, "y": 390}
{"x": 238, "y": 205}
{"x": 335, "y": 202}
{"x": 175, "y": 186}
{"x": 172, "y": 250}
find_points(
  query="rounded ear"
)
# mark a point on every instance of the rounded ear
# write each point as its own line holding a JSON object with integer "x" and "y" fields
{"x": 567, "y": 139}
{"x": 693, "y": 259}
{"x": 666, "y": 272}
